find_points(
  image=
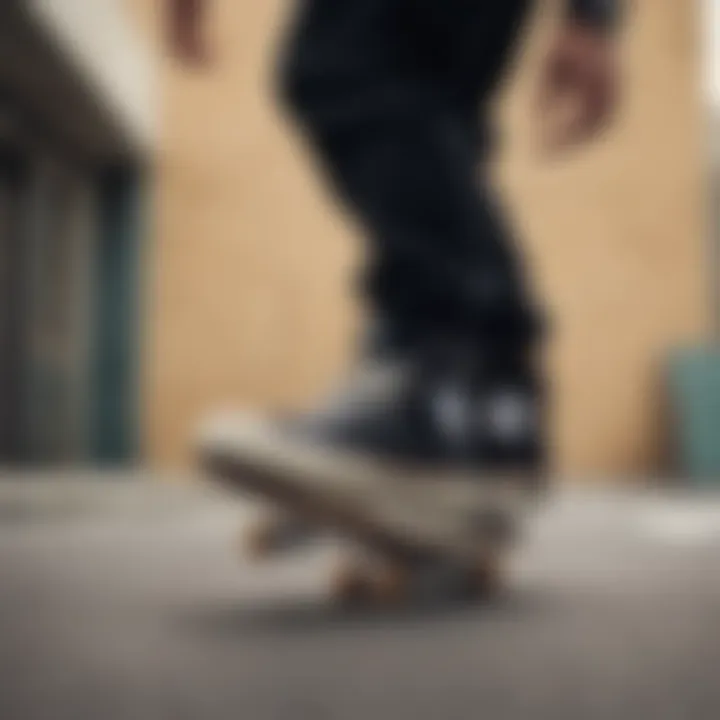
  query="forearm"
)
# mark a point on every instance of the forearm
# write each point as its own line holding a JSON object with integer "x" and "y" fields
{"x": 605, "y": 14}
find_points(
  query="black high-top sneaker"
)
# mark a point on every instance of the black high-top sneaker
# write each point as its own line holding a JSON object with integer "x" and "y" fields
{"x": 418, "y": 453}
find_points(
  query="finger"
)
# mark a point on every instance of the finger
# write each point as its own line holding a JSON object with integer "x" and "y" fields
{"x": 594, "y": 103}
{"x": 552, "y": 101}
{"x": 600, "y": 101}
{"x": 557, "y": 78}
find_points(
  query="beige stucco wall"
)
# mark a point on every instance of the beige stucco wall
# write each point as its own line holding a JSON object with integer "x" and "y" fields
{"x": 246, "y": 299}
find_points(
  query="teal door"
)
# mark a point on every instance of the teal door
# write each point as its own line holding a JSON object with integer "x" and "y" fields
{"x": 116, "y": 426}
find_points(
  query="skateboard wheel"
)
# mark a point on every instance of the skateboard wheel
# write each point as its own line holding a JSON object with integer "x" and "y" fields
{"x": 485, "y": 580}
{"x": 390, "y": 584}
{"x": 371, "y": 584}
{"x": 352, "y": 585}
{"x": 274, "y": 534}
{"x": 381, "y": 584}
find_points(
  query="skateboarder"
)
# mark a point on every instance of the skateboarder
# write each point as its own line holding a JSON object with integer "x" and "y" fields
{"x": 394, "y": 97}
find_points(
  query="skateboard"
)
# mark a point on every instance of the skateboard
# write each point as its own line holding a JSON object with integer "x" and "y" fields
{"x": 416, "y": 531}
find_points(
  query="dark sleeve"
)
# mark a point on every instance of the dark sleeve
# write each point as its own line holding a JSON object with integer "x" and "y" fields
{"x": 603, "y": 13}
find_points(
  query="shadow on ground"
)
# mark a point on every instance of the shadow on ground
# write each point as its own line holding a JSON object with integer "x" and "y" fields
{"x": 299, "y": 616}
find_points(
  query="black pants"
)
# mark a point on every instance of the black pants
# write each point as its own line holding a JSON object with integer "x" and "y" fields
{"x": 393, "y": 95}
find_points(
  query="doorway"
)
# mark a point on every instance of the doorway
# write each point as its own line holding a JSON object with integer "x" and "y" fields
{"x": 12, "y": 310}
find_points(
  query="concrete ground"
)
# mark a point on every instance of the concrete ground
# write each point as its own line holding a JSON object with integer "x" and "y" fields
{"x": 126, "y": 600}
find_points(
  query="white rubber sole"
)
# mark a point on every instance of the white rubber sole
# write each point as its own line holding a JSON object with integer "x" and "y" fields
{"x": 393, "y": 507}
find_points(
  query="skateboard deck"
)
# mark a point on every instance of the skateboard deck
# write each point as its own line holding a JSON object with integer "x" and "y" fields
{"x": 402, "y": 516}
